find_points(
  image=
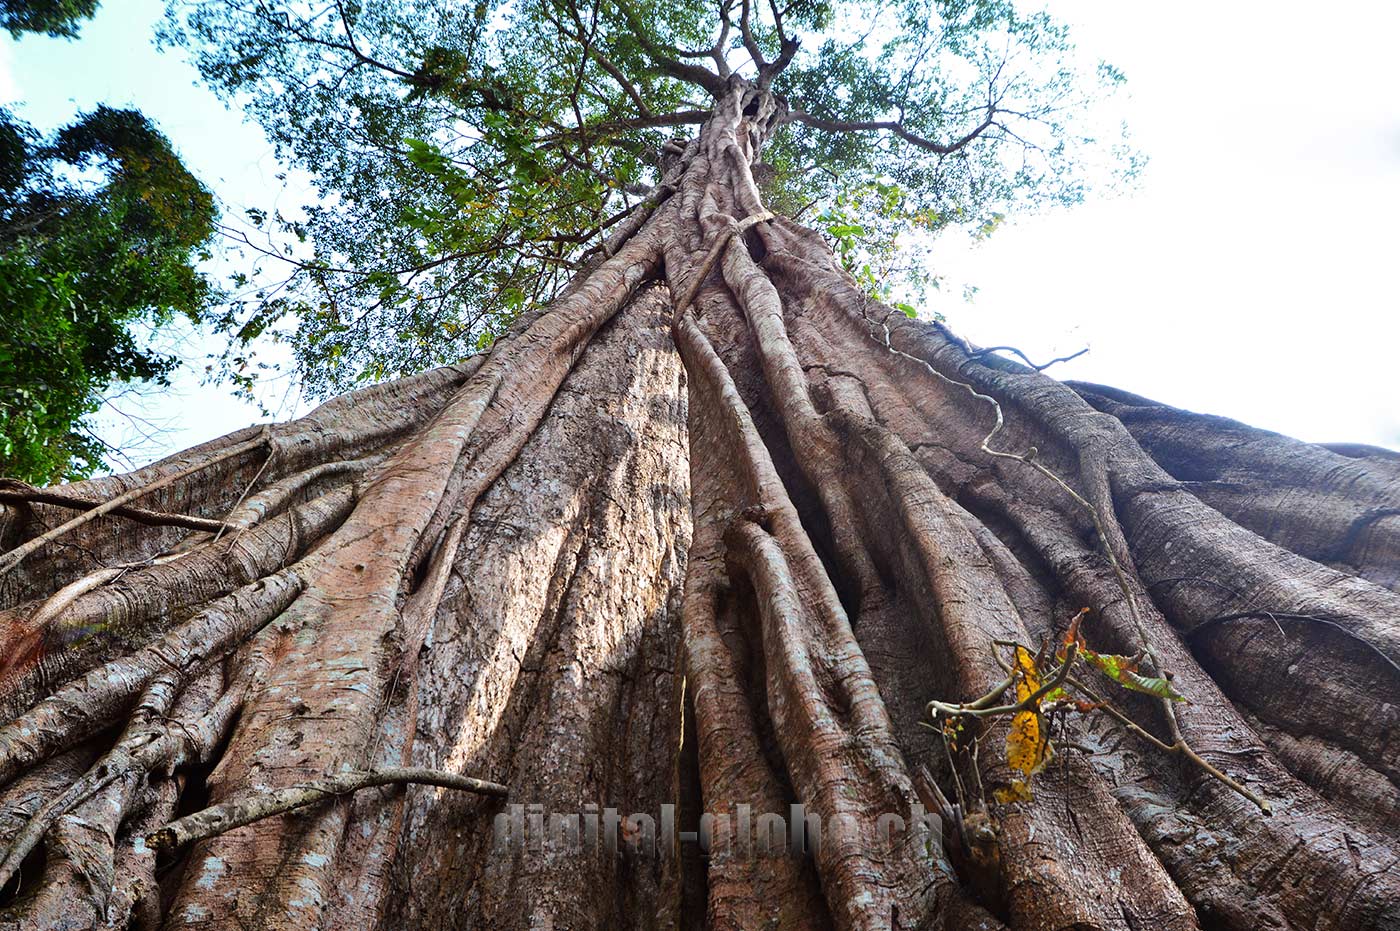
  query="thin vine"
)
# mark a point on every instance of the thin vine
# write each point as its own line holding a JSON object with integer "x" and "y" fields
{"x": 1027, "y": 667}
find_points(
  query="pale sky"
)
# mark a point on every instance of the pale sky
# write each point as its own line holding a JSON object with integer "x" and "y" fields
{"x": 1251, "y": 274}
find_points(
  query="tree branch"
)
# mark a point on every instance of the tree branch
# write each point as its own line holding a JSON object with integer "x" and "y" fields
{"x": 352, "y": 47}
{"x": 17, "y": 491}
{"x": 604, "y": 62}
{"x": 897, "y": 127}
{"x": 750, "y": 42}
{"x": 239, "y": 812}
{"x": 668, "y": 63}
{"x": 787, "y": 48}
{"x": 679, "y": 118}
{"x": 717, "y": 50}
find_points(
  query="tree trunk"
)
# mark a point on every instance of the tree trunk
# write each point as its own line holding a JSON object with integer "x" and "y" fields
{"x": 705, "y": 537}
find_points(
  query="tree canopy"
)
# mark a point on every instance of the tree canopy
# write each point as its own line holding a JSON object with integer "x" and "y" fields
{"x": 100, "y": 226}
{"x": 51, "y": 17}
{"x": 467, "y": 158}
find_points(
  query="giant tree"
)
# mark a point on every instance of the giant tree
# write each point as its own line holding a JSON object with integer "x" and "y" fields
{"x": 707, "y": 523}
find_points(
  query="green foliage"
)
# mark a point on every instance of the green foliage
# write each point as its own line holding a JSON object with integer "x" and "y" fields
{"x": 1124, "y": 671}
{"x": 466, "y": 158}
{"x": 875, "y": 231}
{"x": 51, "y": 17}
{"x": 98, "y": 229}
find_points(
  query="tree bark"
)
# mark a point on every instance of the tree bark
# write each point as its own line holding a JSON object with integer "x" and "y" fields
{"x": 715, "y": 556}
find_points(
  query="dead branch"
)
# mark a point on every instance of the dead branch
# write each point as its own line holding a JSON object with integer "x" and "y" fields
{"x": 243, "y": 811}
{"x": 15, "y": 556}
{"x": 12, "y": 490}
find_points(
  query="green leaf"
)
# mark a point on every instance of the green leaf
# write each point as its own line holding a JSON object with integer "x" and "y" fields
{"x": 1123, "y": 670}
{"x": 846, "y": 230}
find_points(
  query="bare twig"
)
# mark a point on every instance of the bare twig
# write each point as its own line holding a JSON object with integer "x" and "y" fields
{"x": 21, "y": 492}
{"x": 13, "y": 558}
{"x": 975, "y": 355}
{"x": 239, "y": 812}
{"x": 982, "y": 708}
{"x": 1302, "y": 618}
{"x": 272, "y": 454}
{"x": 1178, "y": 745}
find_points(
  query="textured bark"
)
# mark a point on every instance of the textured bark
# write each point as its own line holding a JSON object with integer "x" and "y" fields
{"x": 707, "y": 553}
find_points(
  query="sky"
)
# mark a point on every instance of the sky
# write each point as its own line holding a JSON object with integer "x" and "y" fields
{"x": 1250, "y": 273}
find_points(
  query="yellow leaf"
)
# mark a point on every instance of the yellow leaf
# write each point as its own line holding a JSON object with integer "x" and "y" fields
{"x": 1028, "y": 679}
{"x": 1018, "y": 791}
{"x": 1028, "y": 742}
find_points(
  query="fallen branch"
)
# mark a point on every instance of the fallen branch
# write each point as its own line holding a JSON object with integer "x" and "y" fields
{"x": 24, "y": 493}
{"x": 15, "y": 556}
{"x": 219, "y": 819}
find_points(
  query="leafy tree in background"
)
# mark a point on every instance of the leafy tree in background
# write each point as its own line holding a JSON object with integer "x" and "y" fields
{"x": 51, "y": 17}
{"x": 100, "y": 225}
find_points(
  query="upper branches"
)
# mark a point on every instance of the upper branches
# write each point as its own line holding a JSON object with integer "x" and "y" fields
{"x": 668, "y": 58}
{"x": 787, "y": 46}
{"x": 465, "y": 158}
{"x": 899, "y": 129}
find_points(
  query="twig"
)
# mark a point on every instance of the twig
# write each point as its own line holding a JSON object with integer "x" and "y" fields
{"x": 976, "y": 355}
{"x": 1119, "y": 716}
{"x": 15, "y": 556}
{"x": 272, "y": 454}
{"x": 981, "y": 709}
{"x": 21, "y": 492}
{"x": 1275, "y": 615}
{"x": 1029, "y": 458}
{"x": 1178, "y": 745}
{"x": 239, "y": 812}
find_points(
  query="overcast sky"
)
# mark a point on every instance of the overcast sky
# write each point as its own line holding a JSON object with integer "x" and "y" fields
{"x": 1251, "y": 274}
